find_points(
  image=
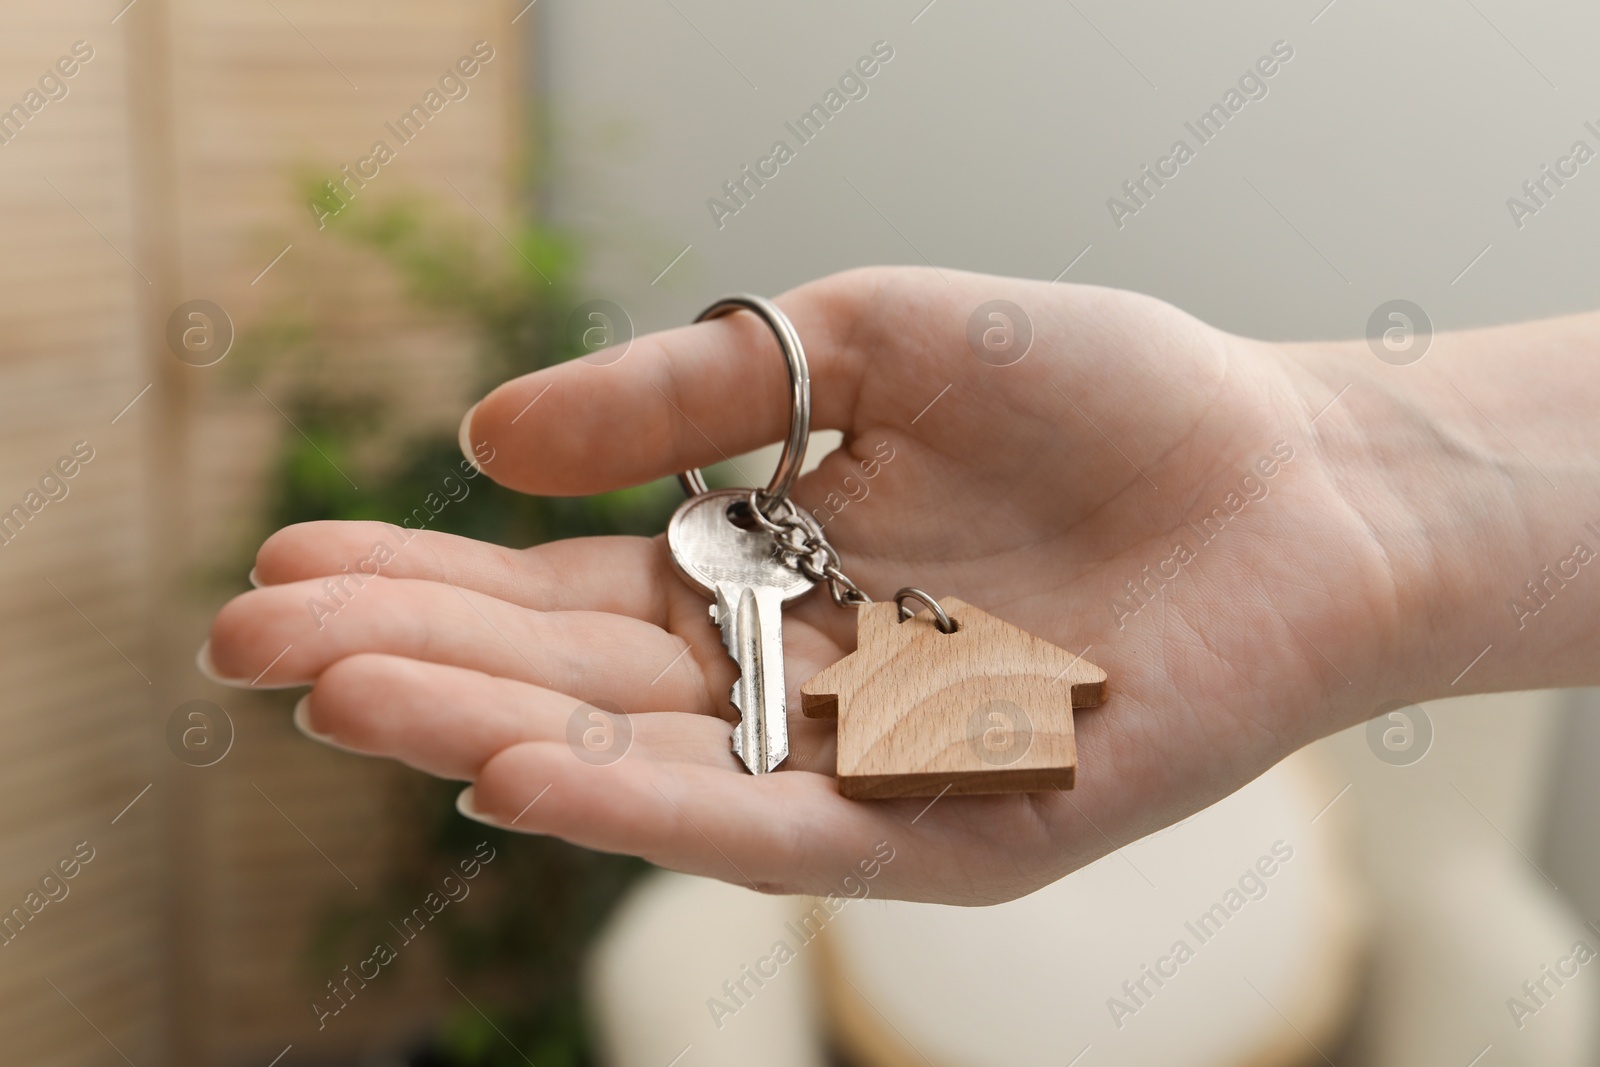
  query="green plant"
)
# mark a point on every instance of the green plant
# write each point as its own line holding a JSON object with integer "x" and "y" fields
{"x": 515, "y": 946}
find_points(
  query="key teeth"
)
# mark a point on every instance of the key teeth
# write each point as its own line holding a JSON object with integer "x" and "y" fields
{"x": 774, "y": 758}
{"x": 775, "y": 755}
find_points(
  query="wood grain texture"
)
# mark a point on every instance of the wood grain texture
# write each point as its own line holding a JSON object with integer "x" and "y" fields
{"x": 987, "y": 709}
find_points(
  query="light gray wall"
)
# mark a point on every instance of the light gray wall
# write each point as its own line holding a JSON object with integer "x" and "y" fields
{"x": 1381, "y": 158}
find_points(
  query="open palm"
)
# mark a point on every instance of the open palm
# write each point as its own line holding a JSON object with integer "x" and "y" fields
{"x": 1138, "y": 487}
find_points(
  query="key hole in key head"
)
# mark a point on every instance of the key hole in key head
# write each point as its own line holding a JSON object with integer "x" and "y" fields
{"x": 740, "y": 515}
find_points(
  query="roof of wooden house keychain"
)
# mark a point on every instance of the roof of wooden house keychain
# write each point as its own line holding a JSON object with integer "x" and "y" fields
{"x": 954, "y": 701}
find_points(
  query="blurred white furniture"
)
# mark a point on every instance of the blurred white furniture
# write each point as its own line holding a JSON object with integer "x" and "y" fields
{"x": 1400, "y": 914}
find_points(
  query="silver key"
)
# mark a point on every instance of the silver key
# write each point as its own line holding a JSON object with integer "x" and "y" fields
{"x": 741, "y": 570}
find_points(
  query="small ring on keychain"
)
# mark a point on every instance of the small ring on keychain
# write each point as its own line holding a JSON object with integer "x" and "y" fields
{"x": 794, "y": 447}
{"x": 944, "y": 622}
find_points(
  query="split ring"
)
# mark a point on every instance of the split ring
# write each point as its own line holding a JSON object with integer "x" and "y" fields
{"x": 944, "y": 622}
{"x": 794, "y": 446}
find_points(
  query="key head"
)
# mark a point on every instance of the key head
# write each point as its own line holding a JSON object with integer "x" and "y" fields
{"x": 710, "y": 550}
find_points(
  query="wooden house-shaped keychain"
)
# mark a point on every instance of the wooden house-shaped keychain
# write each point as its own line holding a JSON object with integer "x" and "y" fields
{"x": 983, "y": 707}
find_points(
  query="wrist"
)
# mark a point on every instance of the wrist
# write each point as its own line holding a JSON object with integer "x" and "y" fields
{"x": 1477, "y": 473}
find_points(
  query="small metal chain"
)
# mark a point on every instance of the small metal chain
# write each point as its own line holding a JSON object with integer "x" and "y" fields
{"x": 802, "y": 546}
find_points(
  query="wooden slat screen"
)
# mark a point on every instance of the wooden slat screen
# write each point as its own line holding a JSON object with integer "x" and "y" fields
{"x": 164, "y": 174}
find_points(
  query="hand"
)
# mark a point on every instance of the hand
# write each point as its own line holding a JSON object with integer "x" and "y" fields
{"x": 1165, "y": 497}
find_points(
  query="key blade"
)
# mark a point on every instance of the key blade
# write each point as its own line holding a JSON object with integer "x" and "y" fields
{"x": 752, "y": 632}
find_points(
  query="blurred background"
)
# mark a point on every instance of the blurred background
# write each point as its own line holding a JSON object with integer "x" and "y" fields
{"x": 259, "y": 256}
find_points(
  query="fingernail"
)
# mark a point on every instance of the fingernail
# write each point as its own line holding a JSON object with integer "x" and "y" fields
{"x": 464, "y": 438}
{"x": 254, "y": 579}
{"x": 465, "y": 805}
{"x": 302, "y": 722}
{"x": 202, "y": 662}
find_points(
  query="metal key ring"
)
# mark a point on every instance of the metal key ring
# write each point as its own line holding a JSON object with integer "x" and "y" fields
{"x": 794, "y": 447}
{"x": 945, "y": 624}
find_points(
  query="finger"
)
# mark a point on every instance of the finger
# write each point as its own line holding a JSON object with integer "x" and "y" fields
{"x": 449, "y": 721}
{"x": 287, "y": 635}
{"x": 622, "y": 575}
{"x": 786, "y": 832}
{"x": 677, "y": 399}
